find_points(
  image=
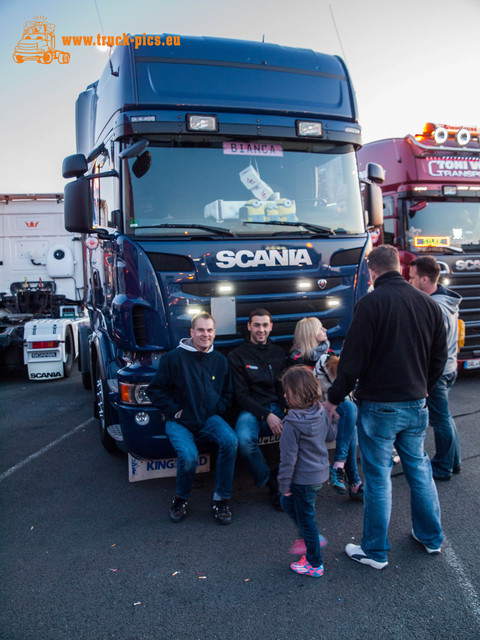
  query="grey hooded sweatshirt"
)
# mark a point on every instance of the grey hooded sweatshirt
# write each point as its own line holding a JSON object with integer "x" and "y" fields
{"x": 303, "y": 452}
{"x": 449, "y": 302}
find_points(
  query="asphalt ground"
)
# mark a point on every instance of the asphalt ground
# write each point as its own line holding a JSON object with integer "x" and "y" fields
{"x": 85, "y": 554}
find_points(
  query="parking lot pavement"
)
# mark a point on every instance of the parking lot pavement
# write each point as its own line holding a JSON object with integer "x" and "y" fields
{"x": 85, "y": 554}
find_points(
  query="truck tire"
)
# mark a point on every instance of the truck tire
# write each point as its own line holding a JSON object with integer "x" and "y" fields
{"x": 86, "y": 380}
{"x": 69, "y": 353}
{"x": 101, "y": 411}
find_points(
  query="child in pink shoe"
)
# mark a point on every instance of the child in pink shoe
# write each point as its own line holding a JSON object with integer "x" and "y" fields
{"x": 304, "y": 462}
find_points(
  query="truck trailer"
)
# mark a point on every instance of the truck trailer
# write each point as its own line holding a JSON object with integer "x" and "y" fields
{"x": 215, "y": 175}
{"x": 41, "y": 286}
{"x": 431, "y": 200}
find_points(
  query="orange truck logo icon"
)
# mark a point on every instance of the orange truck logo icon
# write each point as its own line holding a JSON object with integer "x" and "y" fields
{"x": 38, "y": 43}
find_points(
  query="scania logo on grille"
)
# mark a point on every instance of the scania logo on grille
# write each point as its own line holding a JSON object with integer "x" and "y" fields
{"x": 322, "y": 283}
{"x": 266, "y": 258}
{"x": 467, "y": 265}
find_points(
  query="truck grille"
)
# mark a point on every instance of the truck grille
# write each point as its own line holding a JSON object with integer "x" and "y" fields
{"x": 468, "y": 287}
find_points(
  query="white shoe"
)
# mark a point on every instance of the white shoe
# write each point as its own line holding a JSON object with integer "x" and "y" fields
{"x": 428, "y": 549}
{"x": 355, "y": 552}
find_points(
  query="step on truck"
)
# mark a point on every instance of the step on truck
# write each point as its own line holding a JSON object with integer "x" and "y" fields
{"x": 431, "y": 200}
{"x": 41, "y": 286}
{"x": 215, "y": 175}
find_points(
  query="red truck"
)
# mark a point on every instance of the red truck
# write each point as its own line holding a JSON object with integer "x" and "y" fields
{"x": 431, "y": 204}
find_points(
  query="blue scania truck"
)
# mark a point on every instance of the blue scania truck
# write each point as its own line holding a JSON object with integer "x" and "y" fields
{"x": 214, "y": 175}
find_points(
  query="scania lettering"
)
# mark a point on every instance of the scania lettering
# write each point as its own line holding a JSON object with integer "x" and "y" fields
{"x": 246, "y": 258}
{"x": 41, "y": 286}
{"x": 219, "y": 176}
{"x": 431, "y": 199}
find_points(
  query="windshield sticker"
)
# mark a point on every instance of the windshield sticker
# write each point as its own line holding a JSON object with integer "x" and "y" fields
{"x": 252, "y": 149}
{"x": 431, "y": 241}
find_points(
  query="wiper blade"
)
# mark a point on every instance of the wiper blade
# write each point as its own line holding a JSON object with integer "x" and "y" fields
{"x": 203, "y": 227}
{"x": 310, "y": 227}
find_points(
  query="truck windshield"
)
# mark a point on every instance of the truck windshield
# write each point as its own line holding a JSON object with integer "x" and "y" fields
{"x": 243, "y": 189}
{"x": 452, "y": 225}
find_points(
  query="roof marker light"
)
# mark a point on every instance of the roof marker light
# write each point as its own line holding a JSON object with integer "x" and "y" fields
{"x": 309, "y": 129}
{"x": 463, "y": 137}
{"x": 201, "y": 122}
{"x": 440, "y": 135}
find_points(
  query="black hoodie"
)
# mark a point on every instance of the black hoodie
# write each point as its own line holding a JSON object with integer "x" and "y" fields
{"x": 196, "y": 382}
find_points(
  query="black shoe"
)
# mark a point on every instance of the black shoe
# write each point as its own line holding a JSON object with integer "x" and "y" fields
{"x": 442, "y": 478}
{"x": 457, "y": 469}
{"x": 178, "y": 510}
{"x": 221, "y": 512}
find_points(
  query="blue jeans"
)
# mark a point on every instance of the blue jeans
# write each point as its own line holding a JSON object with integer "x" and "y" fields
{"x": 300, "y": 506}
{"x": 380, "y": 424}
{"x": 346, "y": 443}
{"x": 214, "y": 430}
{"x": 249, "y": 428}
{"x": 447, "y": 442}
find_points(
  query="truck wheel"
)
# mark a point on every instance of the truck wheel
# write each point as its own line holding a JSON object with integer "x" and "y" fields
{"x": 69, "y": 353}
{"x": 101, "y": 411}
{"x": 63, "y": 57}
{"x": 46, "y": 58}
{"x": 86, "y": 380}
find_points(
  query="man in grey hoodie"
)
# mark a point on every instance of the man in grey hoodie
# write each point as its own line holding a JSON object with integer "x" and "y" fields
{"x": 424, "y": 275}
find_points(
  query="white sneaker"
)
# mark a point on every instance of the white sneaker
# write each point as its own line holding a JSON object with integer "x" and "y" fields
{"x": 355, "y": 552}
{"x": 428, "y": 549}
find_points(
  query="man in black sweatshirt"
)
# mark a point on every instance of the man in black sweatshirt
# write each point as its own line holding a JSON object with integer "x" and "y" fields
{"x": 193, "y": 388}
{"x": 256, "y": 366}
{"x": 394, "y": 352}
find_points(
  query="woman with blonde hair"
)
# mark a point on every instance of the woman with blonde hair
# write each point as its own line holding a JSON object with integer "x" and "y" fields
{"x": 309, "y": 342}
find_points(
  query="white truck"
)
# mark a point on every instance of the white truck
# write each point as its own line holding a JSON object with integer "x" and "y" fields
{"x": 41, "y": 286}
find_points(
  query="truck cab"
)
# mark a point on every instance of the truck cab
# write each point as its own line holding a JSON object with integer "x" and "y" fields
{"x": 431, "y": 201}
{"x": 215, "y": 175}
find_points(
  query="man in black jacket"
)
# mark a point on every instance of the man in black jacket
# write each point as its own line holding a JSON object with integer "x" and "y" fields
{"x": 193, "y": 388}
{"x": 256, "y": 365}
{"x": 396, "y": 349}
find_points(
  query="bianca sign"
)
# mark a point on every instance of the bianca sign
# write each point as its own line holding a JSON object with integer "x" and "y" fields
{"x": 252, "y": 149}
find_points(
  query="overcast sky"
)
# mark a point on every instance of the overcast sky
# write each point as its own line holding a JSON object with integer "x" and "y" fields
{"x": 411, "y": 62}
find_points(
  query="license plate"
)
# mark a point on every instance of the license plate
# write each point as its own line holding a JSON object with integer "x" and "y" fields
{"x": 43, "y": 354}
{"x": 472, "y": 364}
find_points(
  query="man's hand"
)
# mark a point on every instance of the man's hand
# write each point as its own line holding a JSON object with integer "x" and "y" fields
{"x": 329, "y": 408}
{"x": 275, "y": 424}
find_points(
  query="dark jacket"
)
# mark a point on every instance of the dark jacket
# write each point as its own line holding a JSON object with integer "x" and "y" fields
{"x": 195, "y": 382}
{"x": 395, "y": 346}
{"x": 255, "y": 370}
{"x": 303, "y": 452}
{"x": 295, "y": 357}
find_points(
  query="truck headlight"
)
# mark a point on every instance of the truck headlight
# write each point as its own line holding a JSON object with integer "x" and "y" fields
{"x": 134, "y": 393}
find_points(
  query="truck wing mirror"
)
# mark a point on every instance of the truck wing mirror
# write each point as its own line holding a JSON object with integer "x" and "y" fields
{"x": 373, "y": 205}
{"x": 375, "y": 173}
{"x": 142, "y": 164}
{"x": 74, "y": 166}
{"x": 78, "y": 210}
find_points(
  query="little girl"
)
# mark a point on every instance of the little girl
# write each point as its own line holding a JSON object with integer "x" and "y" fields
{"x": 311, "y": 348}
{"x": 304, "y": 462}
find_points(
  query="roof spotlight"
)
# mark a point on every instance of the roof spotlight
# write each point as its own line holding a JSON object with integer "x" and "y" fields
{"x": 440, "y": 135}
{"x": 463, "y": 137}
